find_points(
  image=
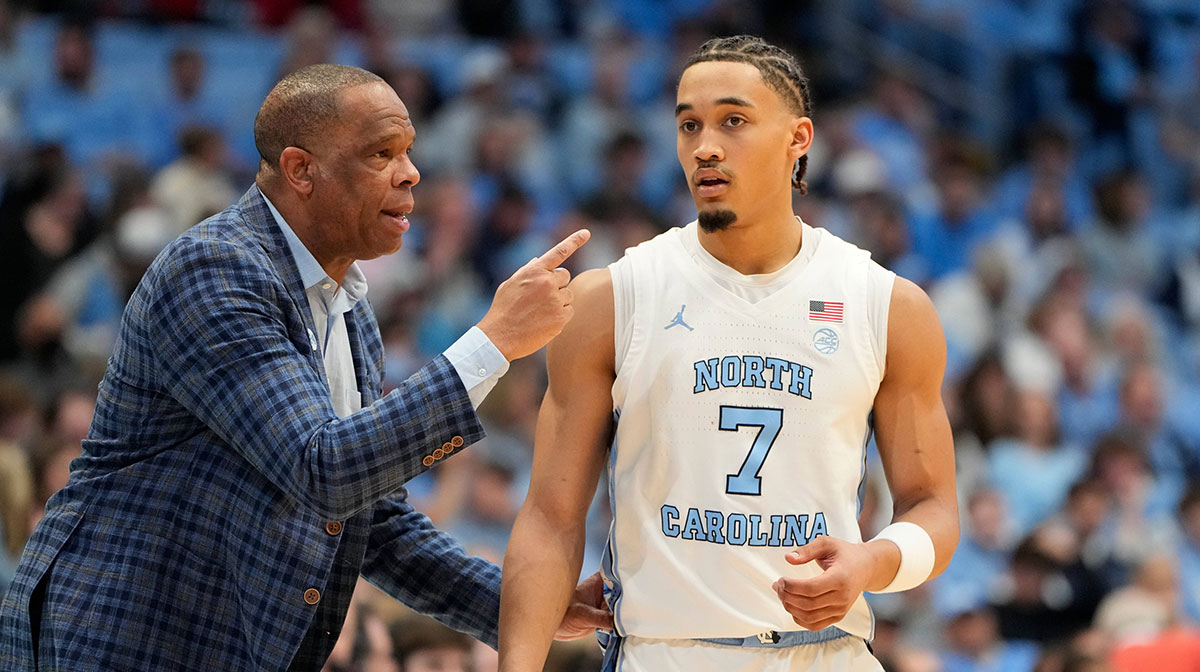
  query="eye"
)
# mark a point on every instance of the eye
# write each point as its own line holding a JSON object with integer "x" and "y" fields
{"x": 689, "y": 126}
{"x": 734, "y": 122}
{"x": 383, "y": 154}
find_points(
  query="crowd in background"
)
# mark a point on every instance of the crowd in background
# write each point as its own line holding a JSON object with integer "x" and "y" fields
{"x": 1033, "y": 164}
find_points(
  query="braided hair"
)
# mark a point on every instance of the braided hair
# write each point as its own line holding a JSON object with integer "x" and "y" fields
{"x": 780, "y": 71}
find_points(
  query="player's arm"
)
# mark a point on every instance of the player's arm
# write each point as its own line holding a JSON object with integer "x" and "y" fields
{"x": 915, "y": 445}
{"x": 913, "y": 432}
{"x": 574, "y": 429}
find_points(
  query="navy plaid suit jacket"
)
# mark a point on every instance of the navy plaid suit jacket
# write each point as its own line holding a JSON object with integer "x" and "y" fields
{"x": 195, "y": 522}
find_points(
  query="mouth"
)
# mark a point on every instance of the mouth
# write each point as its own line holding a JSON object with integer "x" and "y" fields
{"x": 711, "y": 186}
{"x": 398, "y": 218}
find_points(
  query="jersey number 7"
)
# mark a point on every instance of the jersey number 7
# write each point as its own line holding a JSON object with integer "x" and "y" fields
{"x": 769, "y": 421}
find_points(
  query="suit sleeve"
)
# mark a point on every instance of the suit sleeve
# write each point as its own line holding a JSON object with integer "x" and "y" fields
{"x": 216, "y": 325}
{"x": 426, "y": 569}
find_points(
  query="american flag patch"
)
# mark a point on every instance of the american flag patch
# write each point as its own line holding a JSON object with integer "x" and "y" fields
{"x": 825, "y": 311}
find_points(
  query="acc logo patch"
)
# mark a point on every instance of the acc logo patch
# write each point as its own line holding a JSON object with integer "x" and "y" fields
{"x": 826, "y": 341}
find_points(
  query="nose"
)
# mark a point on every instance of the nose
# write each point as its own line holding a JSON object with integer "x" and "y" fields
{"x": 707, "y": 147}
{"x": 406, "y": 173}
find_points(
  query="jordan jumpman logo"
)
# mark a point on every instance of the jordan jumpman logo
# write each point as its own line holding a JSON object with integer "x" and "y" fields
{"x": 678, "y": 321}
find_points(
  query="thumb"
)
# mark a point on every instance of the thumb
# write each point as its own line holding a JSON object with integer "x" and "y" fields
{"x": 817, "y": 548}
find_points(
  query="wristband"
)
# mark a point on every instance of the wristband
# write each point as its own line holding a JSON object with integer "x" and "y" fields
{"x": 916, "y": 555}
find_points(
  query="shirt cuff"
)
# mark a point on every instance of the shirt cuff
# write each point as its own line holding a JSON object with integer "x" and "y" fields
{"x": 478, "y": 362}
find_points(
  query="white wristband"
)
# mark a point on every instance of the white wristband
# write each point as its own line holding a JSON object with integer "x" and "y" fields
{"x": 916, "y": 555}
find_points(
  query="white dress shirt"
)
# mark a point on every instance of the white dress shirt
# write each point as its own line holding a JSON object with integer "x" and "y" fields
{"x": 474, "y": 357}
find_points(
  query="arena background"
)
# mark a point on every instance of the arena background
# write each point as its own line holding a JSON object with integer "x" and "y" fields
{"x": 1033, "y": 164}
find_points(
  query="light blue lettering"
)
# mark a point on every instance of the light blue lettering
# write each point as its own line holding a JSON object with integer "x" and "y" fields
{"x": 818, "y": 526}
{"x": 694, "y": 527}
{"x": 731, "y": 371}
{"x": 737, "y": 529}
{"x": 715, "y": 521}
{"x": 777, "y": 366}
{"x": 794, "y": 527}
{"x": 800, "y": 378}
{"x": 753, "y": 372}
{"x": 758, "y": 536}
{"x": 776, "y": 523}
{"x": 706, "y": 375}
{"x": 670, "y": 520}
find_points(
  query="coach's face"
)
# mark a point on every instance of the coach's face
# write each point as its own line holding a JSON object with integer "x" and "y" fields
{"x": 737, "y": 140}
{"x": 363, "y": 177}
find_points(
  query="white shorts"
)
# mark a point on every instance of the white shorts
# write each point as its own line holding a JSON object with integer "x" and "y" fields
{"x": 638, "y": 654}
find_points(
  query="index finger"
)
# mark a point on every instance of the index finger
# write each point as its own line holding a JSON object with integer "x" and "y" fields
{"x": 555, "y": 256}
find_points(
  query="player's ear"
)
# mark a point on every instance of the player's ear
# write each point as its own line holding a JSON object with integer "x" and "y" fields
{"x": 801, "y": 137}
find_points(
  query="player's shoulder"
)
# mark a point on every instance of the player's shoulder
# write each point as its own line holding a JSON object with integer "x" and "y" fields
{"x": 593, "y": 285}
{"x": 667, "y": 241}
{"x": 909, "y": 301}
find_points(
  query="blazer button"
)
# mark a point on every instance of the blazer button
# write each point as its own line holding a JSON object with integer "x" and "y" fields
{"x": 438, "y": 454}
{"x": 312, "y": 596}
{"x": 333, "y": 527}
{"x": 428, "y": 461}
{"x": 447, "y": 447}
{"x": 457, "y": 442}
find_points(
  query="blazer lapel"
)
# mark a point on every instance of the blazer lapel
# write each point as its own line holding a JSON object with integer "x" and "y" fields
{"x": 267, "y": 230}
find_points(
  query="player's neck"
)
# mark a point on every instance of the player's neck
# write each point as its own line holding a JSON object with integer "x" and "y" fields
{"x": 753, "y": 247}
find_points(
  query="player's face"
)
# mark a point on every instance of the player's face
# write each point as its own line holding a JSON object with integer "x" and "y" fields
{"x": 736, "y": 140}
{"x": 363, "y": 187}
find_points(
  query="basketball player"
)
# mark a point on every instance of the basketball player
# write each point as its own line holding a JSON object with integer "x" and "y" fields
{"x": 737, "y": 443}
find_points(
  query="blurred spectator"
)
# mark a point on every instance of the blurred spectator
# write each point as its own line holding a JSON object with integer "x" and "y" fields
{"x": 1033, "y": 599}
{"x": 1144, "y": 609}
{"x": 16, "y": 499}
{"x": 946, "y": 235}
{"x": 277, "y": 13}
{"x": 973, "y": 644}
{"x": 507, "y": 240}
{"x": 1046, "y": 170}
{"x": 454, "y": 134}
{"x": 185, "y": 101}
{"x": 1187, "y": 549}
{"x": 80, "y": 307}
{"x": 311, "y": 32}
{"x": 981, "y": 557}
{"x": 895, "y": 125}
{"x": 1136, "y": 524}
{"x": 19, "y": 413}
{"x": 1118, "y": 253}
{"x": 43, "y": 221}
{"x": 50, "y": 462}
{"x": 421, "y": 644}
{"x": 1172, "y": 455}
{"x": 1111, "y": 77}
{"x": 89, "y": 117}
{"x": 197, "y": 184}
{"x": 1077, "y": 539}
{"x": 1035, "y": 469}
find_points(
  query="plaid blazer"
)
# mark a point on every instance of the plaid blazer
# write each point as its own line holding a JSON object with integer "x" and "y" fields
{"x": 221, "y": 512}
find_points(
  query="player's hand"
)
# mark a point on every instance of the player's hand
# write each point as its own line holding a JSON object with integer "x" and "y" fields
{"x": 534, "y": 304}
{"x": 587, "y": 611}
{"x": 825, "y": 599}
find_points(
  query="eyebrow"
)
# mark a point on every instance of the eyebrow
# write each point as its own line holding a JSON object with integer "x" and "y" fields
{"x": 728, "y": 100}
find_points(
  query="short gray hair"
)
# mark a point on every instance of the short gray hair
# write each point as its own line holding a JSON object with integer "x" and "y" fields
{"x": 302, "y": 106}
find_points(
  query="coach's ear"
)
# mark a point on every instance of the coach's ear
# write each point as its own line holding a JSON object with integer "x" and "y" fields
{"x": 296, "y": 166}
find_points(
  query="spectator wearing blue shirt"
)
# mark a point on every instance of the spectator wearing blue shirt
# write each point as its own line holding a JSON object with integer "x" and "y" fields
{"x": 946, "y": 235}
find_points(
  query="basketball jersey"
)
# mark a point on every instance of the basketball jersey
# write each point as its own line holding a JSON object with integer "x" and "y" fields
{"x": 742, "y": 407}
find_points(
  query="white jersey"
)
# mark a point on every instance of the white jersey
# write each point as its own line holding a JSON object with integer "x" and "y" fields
{"x": 742, "y": 407}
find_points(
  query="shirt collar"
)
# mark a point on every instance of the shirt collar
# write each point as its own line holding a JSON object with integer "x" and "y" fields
{"x": 311, "y": 272}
